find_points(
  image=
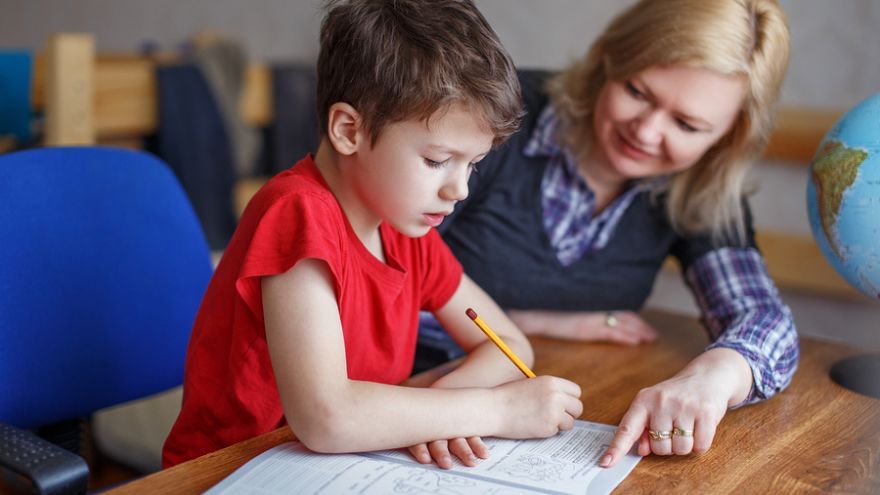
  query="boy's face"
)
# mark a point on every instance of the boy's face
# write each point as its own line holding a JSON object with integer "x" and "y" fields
{"x": 415, "y": 172}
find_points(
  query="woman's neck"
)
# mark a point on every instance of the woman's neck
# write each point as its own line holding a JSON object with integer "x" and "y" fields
{"x": 605, "y": 187}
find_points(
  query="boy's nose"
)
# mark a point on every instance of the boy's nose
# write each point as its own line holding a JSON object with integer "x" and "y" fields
{"x": 456, "y": 187}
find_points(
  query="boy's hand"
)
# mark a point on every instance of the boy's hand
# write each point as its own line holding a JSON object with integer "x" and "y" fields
{"x": 538, "y": 407}
{"x": 528, "y": 408}
{"x": 468, "y": 450}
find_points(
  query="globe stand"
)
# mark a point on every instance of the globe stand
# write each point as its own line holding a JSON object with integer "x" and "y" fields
{"x": 860, "y": 374}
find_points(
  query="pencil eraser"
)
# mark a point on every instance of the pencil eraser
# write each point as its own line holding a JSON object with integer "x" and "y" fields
{"x": 471, "y": 314}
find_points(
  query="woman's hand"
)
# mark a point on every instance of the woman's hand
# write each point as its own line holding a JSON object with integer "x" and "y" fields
{"x": 680, "y": 415}
{"x": 619, "y": 327}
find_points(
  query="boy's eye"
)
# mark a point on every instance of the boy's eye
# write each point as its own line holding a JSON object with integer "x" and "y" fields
{"x": 434, "y": 164}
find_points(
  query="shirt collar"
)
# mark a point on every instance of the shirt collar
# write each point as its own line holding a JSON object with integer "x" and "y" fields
{"x": 544, "y": 138}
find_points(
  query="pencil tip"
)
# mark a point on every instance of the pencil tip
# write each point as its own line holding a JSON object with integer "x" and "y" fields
{"x": 471, "y": 314}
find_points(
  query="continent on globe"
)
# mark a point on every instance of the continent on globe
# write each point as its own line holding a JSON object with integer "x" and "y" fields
{"x": 835, "y": 169}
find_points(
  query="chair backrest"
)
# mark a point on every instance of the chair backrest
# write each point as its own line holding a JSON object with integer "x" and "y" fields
{"x": 103, "y": 265}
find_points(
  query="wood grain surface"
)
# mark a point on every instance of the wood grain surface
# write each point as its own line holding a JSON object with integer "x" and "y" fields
{"x": 815, "y": 437}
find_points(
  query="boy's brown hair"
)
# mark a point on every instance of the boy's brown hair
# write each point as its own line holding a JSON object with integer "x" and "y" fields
{"x": 394, "y": 60}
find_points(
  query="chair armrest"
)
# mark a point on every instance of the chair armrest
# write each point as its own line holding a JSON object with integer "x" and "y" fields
{"x": 31, "y": 463}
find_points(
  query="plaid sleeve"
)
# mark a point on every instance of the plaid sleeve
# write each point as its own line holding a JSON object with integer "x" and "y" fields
{"x": 742, "y": 311}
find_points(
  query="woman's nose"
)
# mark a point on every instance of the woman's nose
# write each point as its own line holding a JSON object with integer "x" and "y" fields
{"x": 647, "y": 128}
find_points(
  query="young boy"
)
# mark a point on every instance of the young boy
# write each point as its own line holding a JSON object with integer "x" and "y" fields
{"x": 312, "y": 314}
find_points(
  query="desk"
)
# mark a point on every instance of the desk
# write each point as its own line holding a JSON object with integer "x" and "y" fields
{"x": 815, "y": 437}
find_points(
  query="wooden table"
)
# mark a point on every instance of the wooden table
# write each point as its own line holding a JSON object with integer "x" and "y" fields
{"x": 815, "y": 437}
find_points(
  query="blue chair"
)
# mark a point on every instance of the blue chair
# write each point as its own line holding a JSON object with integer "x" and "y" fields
{"x": 103, "y": 265}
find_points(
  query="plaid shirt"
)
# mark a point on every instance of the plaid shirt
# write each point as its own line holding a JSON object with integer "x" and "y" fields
{"x": 568, "y": 201}
{"x": 739, "y": 302}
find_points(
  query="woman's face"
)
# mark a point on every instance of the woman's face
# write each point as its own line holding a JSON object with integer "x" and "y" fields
{"x": 662, "y": 120}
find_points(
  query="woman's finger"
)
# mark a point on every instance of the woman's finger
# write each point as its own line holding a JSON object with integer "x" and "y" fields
{"x": 644, "y": 444}
{"x": 639, "y": 327}
{"x": 682, "y": 436}
{"x": 621, "y": 336}
{"x": 628, "y": 329}
{"x": 631, "y": 427}
{"x": 661, "y": 434}
{"x": 704, "y": 433}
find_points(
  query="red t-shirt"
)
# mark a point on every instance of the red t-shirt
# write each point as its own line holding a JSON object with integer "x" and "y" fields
{"x": 229, "y": 386}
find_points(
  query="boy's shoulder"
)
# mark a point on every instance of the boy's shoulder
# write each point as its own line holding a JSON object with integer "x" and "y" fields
{"x": 296, "y": 194}
{"x": 294, "y": 215}
{"x": 301, "y": 177}
{"x": 301, "y": 182}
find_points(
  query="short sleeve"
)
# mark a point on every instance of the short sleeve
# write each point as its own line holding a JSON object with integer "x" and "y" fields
{"x": 290, "y": 228}
{"x": 441, "y": 272}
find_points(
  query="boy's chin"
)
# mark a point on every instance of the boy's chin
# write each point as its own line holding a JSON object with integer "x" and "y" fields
{"x": 413, "y": 230}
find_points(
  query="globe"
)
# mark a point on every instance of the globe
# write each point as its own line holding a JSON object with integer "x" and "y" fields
{"x": 843, "y": 196}
{"x": 843, "y": 203}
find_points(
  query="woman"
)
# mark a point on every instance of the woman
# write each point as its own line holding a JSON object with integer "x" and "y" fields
{"x": 635, "y": 153}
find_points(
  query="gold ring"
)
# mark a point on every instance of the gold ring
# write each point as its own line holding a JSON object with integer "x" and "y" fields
{"x": 682, "y": 433}
{"x": 660, "y": 435}
{"x": 611, "y": 319}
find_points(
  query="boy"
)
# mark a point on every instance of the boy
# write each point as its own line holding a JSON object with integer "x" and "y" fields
{"x": 312, "y": 314}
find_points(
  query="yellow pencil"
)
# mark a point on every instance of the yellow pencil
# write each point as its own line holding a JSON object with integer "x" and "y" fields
{"x": 500, "y": 343}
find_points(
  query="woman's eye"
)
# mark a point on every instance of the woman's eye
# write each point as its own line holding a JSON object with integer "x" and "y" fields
{"x": 632, "y": 89}
{"x": 685, "y": 126}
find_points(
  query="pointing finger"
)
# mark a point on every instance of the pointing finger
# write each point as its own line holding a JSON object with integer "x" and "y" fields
{"x": 631, "y": 428}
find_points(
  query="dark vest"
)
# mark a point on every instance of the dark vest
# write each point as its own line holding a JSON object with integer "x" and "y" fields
{"x": 497, "y": 233}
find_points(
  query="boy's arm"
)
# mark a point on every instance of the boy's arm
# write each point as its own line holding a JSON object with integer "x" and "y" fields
{"x": 485, "y": 364}
{"x": 331, "y": 413}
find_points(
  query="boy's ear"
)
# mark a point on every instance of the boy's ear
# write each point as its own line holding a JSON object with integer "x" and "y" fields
{"x": 344, "y": 128}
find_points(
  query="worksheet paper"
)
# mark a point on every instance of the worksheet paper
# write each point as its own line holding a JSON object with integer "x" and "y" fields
{"x": 563, "y": 464}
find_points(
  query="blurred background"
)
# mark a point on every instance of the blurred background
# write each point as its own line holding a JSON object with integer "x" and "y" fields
{"x": 833, "y": 61}
{"x": 833, "y": 66}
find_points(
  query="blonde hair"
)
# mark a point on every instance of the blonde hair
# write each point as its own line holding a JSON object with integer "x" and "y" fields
{"x": 733, "y": 37}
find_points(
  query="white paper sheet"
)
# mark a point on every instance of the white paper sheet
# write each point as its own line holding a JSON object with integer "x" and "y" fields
{"x": 562, "y": 464}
